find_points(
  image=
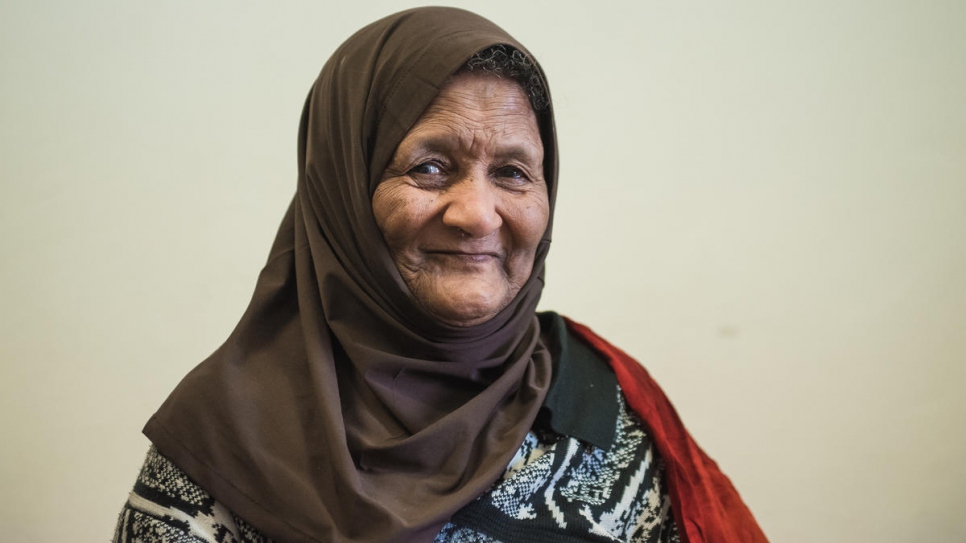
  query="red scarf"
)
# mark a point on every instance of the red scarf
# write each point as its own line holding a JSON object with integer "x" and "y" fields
{"x": 706, "y": 506}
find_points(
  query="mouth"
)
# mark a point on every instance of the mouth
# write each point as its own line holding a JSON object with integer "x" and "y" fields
{"x": 467, "y": 256}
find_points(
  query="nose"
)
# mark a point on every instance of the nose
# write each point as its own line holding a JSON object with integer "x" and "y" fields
{"x": 472, "y": 206}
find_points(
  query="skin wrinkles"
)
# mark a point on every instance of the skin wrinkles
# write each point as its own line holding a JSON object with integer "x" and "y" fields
{"x": 463, "y": 203}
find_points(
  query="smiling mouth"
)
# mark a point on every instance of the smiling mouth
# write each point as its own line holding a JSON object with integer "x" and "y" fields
{"x": 467, "y": 256}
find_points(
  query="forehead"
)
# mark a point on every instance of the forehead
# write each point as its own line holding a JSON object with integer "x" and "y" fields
{"x": 478, "y": 109}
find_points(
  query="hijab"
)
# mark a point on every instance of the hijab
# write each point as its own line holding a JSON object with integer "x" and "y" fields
{"x": 339, "y": 409}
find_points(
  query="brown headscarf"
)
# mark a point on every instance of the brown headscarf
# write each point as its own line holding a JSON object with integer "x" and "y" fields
{"x": 338, "y": 409}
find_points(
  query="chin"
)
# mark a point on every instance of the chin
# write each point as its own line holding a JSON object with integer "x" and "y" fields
{"x": 463, "y": 311}
{"x": 464, "y": 317}
{"x": 463, "y": 299}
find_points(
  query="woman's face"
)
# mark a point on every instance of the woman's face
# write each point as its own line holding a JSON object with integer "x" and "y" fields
{"x": 463, "y": 202}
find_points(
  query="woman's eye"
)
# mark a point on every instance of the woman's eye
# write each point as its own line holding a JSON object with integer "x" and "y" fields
{"x": 511, "y": 172}
{"x": 427, "y": 168}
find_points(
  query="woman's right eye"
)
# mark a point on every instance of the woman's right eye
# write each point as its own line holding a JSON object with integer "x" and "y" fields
{"x": 427, "y": 168}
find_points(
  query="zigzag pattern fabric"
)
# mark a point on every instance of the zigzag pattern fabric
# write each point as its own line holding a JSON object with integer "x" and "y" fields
{"x": 168, "y": 507}
{"x": 556, "y": 489}
{"x": 560, "y": 489}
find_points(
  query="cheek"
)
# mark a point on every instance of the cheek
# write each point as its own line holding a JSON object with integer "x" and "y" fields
{"x": 529, "y": 224}
{"x": 399, "y": 215}
{"x": 533, "y": 220}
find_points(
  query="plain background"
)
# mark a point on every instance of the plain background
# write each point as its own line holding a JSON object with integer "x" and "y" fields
{"x": 765, "y": 202}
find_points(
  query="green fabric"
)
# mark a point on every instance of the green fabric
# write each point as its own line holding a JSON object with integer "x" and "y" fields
{"x": 582, "y": 400}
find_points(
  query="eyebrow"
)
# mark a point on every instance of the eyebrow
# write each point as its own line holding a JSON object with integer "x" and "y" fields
{"x": 433, "y": 144}
{"x": 441, "y": 144}
{"x": 518, "y": 153}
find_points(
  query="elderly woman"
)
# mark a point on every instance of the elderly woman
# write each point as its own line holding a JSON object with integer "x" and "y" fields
{"x": 391, "y": 381}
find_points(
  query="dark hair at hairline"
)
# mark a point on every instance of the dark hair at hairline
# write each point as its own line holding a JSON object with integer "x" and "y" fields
{"x": 506, "y": 61}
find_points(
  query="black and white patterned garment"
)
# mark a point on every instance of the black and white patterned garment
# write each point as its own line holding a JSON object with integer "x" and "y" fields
{"x": 561, "y": 489}
{"x": 168, "y": 507}
{"x": 556, "y": 489}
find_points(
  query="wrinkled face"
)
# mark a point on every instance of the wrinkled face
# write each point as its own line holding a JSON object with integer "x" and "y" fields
{"x": 463, "y": 202}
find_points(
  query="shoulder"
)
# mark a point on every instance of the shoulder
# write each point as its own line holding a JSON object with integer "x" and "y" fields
{"x": 706, "y": 505}
{"x": 167, "y": 506}
{"x": 611, "y": 353}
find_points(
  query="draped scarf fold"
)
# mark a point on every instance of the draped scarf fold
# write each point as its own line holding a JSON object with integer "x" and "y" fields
{"x": 338, "y": 409}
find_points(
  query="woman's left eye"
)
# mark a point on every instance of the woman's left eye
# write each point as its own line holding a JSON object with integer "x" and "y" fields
{"x": 512, "y": 172}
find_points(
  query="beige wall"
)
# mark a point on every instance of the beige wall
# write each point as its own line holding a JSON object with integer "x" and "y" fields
{"x": 765, "y": 203}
